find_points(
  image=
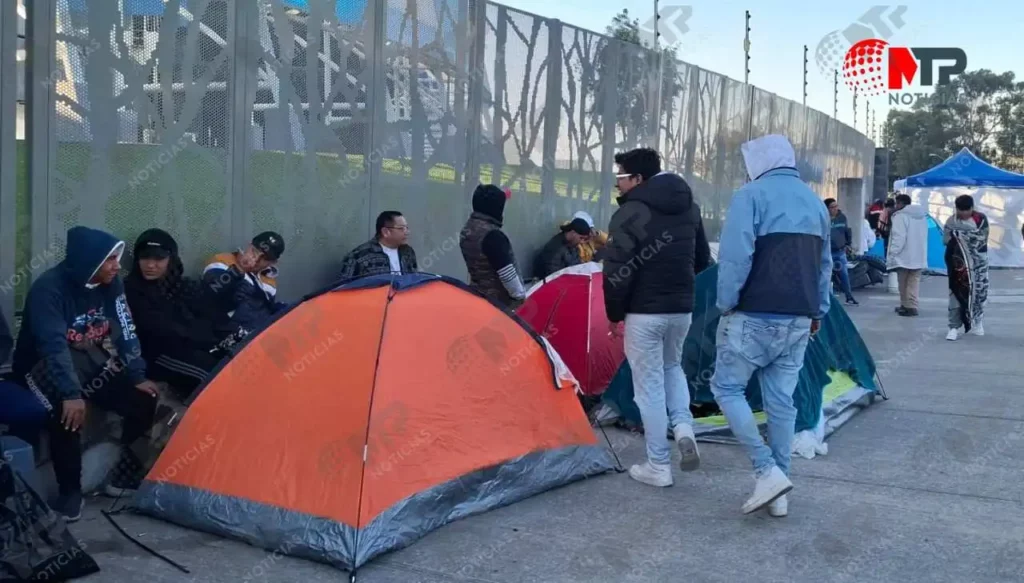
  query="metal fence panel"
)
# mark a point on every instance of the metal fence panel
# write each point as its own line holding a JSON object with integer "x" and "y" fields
{"x": 217, "y": 119}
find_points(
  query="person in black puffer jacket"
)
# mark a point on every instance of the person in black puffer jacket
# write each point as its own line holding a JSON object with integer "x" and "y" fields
{"x": 177, "y": 333}
{"x": 656, "y": 246}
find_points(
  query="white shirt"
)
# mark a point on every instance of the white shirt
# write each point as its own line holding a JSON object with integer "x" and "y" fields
{"x": 396, "y": 264}
{"x": 867, "y": 237}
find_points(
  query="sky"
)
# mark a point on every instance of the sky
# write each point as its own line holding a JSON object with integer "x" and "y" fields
{"x": 989, "y": 32}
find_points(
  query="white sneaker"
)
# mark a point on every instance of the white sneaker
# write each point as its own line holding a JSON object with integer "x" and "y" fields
{"x": 652, "y": 474}
{"x": 687, "y": 443}
{"x": 953, "y": 334}
{"x": 779, "y": 508}
{"x": 978, "y": 329}
{"x": 766, "y": 489}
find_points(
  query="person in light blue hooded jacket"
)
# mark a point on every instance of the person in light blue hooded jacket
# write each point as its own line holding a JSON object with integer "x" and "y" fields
{"x": 72, "y": 311}
{"x": 774, "y": 287}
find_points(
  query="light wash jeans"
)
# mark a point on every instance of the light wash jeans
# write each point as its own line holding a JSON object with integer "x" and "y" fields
{"x": 774, "y": 349}
{"x": 654, "y": 349}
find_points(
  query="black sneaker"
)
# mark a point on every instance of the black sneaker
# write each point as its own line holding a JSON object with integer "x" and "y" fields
{"x": 851, "y": 301}
{"x": 69, "y": 506}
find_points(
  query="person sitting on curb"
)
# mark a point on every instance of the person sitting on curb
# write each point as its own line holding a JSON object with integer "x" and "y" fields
{"x": 388, "y": 251}
{"x": 562, "y": 250}
{"x": 243, "y": 285}
{"x": 71, "y": 312}
{"x": 175, "y": 329}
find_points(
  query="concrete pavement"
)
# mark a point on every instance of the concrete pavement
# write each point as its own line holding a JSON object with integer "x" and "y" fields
{"x": 924, "y": 487}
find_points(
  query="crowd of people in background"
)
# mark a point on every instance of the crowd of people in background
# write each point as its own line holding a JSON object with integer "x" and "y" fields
{"x": 87, "y": 335}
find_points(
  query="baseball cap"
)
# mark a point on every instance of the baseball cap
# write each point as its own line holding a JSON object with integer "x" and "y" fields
{"x": 270, "y": 244}
{"x": 579, "y": 225}
{"x": 155, "y": 244}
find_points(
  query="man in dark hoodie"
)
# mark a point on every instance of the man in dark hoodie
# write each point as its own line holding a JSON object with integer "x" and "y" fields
{"x": 562, "y": 250}
{"x": 841, "y": 237}
{"x": 72, "y": 311}
{"x": 656, "y": 245}
{"x": 174, "y": 324}
{"x": 488, "y": 252}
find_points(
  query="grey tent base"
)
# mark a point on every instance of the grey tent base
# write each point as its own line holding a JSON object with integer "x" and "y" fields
{"x": 836, "y": 413}
{"x": 289, "y": 532}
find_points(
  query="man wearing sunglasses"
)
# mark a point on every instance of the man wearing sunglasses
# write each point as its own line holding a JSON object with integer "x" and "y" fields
{"x": 656, "y": 245}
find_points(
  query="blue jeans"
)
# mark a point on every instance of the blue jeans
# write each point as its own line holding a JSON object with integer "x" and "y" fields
{"x": 774, "y": 349}
{"x": 654, "y": 349}
{"x": 839, "y": 264}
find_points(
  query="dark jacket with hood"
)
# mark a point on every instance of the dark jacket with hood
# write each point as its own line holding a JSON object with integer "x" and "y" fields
{"x": 841, "y": 235}
{"x": 656, "y": 245}
{"x": 244, "y": 301}
{"x": 557, "y": 254}
{"x": 488, "y": 252}
{"x": 64, "y": 312}
{"x": 170, "y": 316}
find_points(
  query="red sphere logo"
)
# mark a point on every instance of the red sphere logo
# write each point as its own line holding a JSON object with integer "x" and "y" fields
{"x": 865, "y": 65}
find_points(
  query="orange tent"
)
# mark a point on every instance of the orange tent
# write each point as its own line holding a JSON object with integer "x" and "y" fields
{"x": 369, "y": 415}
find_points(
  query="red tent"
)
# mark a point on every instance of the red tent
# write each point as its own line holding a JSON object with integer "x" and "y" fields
{"x": 567, "y": 308}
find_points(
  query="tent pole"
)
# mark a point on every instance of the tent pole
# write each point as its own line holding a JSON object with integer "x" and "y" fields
{"x": 881, "y": 387}
{"x": 618, "y": 464}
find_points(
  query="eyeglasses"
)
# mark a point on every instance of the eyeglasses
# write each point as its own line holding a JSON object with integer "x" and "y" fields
{"x": 621, "y": 176}
{"x": 399, "y": 227}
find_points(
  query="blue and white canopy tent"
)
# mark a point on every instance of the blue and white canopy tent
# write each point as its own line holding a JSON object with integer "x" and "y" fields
{"x": 998, "y": 193}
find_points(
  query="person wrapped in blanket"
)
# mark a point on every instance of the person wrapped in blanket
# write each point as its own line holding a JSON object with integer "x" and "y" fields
{"x": 965, "y": 235}
{"x": 592, "y": 249}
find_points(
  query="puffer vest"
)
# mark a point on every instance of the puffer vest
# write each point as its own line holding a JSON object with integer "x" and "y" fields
{"x": 482, "y": 276}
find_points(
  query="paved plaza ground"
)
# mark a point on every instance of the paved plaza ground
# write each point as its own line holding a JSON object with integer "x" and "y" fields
{"x": 924, "y": 487}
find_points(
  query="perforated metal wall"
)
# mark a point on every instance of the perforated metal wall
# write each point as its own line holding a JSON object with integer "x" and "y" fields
{"x": 217, "y": 119}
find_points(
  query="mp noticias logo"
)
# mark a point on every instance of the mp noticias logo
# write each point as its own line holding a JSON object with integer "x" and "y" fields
{"x": 873, "y": 67}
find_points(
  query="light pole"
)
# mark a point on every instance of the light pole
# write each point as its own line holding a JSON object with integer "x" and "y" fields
{"x": 746, "y": 50}
{"x": 805, "y": 75}
{"x": 835, "y": 94}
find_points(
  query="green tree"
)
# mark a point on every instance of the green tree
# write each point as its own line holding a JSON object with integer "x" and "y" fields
{"x": 634, "y": 78}
{"x": 978, "y": 110}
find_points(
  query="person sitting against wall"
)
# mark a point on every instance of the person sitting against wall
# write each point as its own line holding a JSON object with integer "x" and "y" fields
{"x": 387, "y": 252}
{"x": 72, "y": 311}
{"x": 242, "y": 286}
{"x": 21, "y": 412}
{"x": 175, "y": 329}
{"x": 562, "y": 250}
{"x": 591, "y": 249}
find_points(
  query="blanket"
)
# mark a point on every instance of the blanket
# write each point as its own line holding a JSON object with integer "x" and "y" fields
{"x": 967, "y": 271}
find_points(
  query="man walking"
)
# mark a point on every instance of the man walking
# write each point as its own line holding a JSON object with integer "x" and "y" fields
{"x": 966, "y": 305}
{"x": 388, "y": 252}
{"x": 774, "y": 287}
{"x": 841, "y": 238}
{"x": 656, "y": 245}
{"x": 908, "y": 251}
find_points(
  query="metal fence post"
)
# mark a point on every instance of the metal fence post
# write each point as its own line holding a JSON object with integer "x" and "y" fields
{"x": 476, "y": 84}
{"x": 243, "y": 32}
{"x": 40, "y": 41}
{"x": 552, "y": 111}
{"x": 610, "y": 99}
{"x": 376, "y": 93}
{"x": 8, "y": 154}
{"x": 692, "y": 110}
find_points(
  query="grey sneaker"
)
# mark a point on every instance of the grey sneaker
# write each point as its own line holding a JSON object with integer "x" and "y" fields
{"x": 687, "y": 443}
{"x": 69, "y": 506}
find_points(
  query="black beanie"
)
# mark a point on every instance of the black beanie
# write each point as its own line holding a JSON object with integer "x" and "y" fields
{"x": 489, "y": 200}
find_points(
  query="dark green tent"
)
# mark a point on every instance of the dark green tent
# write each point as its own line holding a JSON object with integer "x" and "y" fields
{"x": 838, "y": 374}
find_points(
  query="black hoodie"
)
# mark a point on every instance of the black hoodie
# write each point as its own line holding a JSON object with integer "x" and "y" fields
{"x": 656, "y": 245}
{"x": 169, "y": 314}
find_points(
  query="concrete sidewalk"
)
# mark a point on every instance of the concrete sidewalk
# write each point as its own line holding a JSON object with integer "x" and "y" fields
{"x": 924, "y": 487}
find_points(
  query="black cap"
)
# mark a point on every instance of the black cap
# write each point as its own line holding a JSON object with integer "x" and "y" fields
{"x": 270, "y": 244}
{"x": 579, "y": 225}
{"x": 155, "y": 243}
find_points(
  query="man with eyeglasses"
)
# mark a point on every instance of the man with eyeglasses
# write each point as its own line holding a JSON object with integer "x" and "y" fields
{"x": 388, "y": 251}
{"x": 656, "y": 246}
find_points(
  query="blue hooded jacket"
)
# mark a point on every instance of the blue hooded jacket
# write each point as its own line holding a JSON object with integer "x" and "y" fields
{"x": 63, "y": 310}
